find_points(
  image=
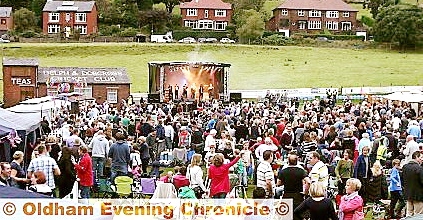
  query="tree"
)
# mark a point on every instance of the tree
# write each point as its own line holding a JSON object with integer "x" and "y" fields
{"x": 155, "y": 19}
{"x": 399, "y": 23}
{"x": 250, "y": 25}
{"x": 376, "y": 5}
{"x": 170, "y": 4}
{"x": 16, "y": 4}
{"x": 256, "y": 5}
{"x": 24, "y": 20}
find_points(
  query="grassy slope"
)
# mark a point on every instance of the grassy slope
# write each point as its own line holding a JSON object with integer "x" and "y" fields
{"x": 253, "y": 67}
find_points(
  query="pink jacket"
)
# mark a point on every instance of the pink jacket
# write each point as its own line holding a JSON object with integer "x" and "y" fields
{"x": 349, "y": 207}
{"x": 220, "y": 178}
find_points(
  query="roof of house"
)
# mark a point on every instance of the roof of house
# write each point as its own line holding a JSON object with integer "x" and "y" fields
{"x": 83, "y": 75}
{"x": 324, "y": 5}
{"x": 208, "y": 4}
{"x": 11, "y": 61}
{"x": 77, "y": 6}
{"x": 5, "y": 11}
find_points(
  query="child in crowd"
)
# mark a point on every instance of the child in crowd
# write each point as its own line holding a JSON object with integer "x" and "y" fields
{"x": 395, "y": 190}
{"x": 240, "y": 170}
{"x": 167, "y": 178}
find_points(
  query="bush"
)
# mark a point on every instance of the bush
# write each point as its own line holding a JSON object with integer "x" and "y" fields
{"x": 368, "y": 21}
{"x": 128, "y": 32}
{"x": 179, "y": 34}
{"x": 111, "y": 30}
{"x": 29, "y": 34}
{"x": 277, "y": 40}
{"x": 329, "y": 36}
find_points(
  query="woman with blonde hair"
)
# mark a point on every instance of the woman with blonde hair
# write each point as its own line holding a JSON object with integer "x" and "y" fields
{"x": 195, "y": 176}
{"x": 219, "y": 175}
{"x": 377, "y": 188}
{"x": 18, "y": 174}
{"x": 320, "y": 208}
{"x": 351, "y": 206}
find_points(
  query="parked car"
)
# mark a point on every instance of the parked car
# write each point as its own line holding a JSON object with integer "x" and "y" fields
{"x": 201, "y": 40}
{"x": 226, "y": 40}
{"x": 211, "y": 40}
{"x": 187, "y": 40}
{"x": 4, "y": 41}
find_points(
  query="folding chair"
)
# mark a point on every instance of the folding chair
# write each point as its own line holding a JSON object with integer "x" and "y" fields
{"x": 124, "y": 186}
{"x": 104, "y": 187}
{"x": 148, "y": 186}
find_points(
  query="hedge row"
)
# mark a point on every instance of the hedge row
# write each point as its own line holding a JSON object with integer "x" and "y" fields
{"x": 330, "y": 36}
{"x": 177, "y": 35}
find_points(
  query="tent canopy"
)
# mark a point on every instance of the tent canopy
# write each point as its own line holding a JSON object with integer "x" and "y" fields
{"x": 10, "y": 121}
{"x": 413, "y": 97}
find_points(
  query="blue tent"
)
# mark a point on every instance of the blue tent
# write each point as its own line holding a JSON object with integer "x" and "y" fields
{"x": 15, "y": 193}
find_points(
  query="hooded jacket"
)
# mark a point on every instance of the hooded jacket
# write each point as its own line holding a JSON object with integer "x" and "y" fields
{"x": 99, "y": 145}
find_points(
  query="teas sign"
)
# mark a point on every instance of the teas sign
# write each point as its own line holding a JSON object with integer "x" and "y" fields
{"x": 21, "y": 81}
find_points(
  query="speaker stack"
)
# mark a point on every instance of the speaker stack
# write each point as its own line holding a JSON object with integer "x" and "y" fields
{"x": 235, "y": 97}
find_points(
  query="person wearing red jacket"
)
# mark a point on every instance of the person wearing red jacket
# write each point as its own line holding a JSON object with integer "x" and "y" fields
{"x": 84, "y": 170}
{"x": 219, "y": 175}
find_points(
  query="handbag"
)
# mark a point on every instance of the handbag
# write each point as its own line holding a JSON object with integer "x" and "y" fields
{"x": 358, "y": 215}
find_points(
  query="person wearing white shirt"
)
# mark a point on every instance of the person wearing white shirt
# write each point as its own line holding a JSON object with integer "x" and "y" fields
{"x": 319, "y": 172}
{"x": 169, "y": 133}
{"x": 411, "y": 147}
{"x": 396, "y": 122}
{"x": 210, "y": 140}
{"x": 268, "y": 145}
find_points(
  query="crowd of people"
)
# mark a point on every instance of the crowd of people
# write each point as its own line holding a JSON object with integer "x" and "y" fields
{"x": 369, "y": 149}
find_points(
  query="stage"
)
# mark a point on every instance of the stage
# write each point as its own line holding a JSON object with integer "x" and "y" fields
{"x": 188, "y": 81}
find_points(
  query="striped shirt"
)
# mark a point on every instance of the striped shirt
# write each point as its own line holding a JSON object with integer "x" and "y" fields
{"x": 265, "y": 172}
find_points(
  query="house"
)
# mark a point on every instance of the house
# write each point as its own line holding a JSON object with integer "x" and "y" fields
{"x": 313, "y": 16}
{"x": 6, "y": 19}
{"x": 206, "y": 14}
{"x": 67, "y": 16}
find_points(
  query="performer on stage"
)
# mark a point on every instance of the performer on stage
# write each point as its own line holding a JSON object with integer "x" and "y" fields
{"x": 200, "y": 92}
{"x": 210, "y": 89}
{"x": 185, "y": 91}
{"x": 193, "y": 88}
{"x": 170, "y": 92}
{"x": 176, "y": 91}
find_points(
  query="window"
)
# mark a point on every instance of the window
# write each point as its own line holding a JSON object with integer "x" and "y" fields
{"x": 82, "y": 29}
{"x": 206, "y": 13}
{"x": 220, "y": 13}
{"x": 112, "y": 95}
{"x": 346, "y": 14}
{"x": 314, "y": 25}
{"x": 302, "y": 25}
{"x": 53, "y": 28}
{"x": 86, "y": 91}
{"x": 300, "y": 13}
{"x": 332, "y": 25}
{"x": 220, "y": 25}
{"x": 332, "y": 14}
{"x": 205, "y": 24}
{"x": 315, "y": 13}
{"x": 3, "y": 21}
{"x": 80, "y": 17}
{"x": 191, "y": 12}
{"x": 285, "y": 12}
{"x": 67, "y": 17}
{"x": 53, "y": 17}
{"x": 192, "y": 24}
{"x": 346, "y": 26}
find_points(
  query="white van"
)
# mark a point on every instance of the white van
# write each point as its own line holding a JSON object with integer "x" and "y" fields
{"x": 161, "y": 38}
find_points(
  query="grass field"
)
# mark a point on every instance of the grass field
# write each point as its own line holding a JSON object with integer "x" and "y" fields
{"x": 253, "y": 67}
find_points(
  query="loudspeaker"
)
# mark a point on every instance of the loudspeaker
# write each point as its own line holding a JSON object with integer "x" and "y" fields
{"x": 235, "y": 97}
{"x": 153, "y": 98}
{"x": 74, "y": 108}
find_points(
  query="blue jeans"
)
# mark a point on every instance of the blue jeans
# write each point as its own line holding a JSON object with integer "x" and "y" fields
{"x": 118, "y": 170}
{"x": 98, "y": 166}
{"x": 85, "y": 192}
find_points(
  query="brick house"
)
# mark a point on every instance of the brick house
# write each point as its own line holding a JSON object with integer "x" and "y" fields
{"x": 25, "y": 79}
{"x": 206, "y": 14}
{"x": 313, "y": 16}
{"x": 6, "y": 19}
{"x": 66, "y": 16}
